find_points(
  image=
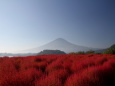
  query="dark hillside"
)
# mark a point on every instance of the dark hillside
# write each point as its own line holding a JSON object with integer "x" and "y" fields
{"x": 49, "y": 52}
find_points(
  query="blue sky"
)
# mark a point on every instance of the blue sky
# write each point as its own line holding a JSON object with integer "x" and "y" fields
{"x": 26, "y": 24}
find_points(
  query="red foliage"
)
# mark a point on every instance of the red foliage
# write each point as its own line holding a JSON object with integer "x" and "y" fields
{"x": 58, "y": 70}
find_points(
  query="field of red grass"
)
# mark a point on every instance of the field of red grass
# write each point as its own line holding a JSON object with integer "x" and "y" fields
{"x": 58, "y": 70}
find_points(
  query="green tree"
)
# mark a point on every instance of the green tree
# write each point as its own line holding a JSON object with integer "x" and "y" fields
{"x": 80, "y": 52}
{"x": 90, "y": 52}
{"x": 109, "y": 51}
{"x": 72, "y": 53}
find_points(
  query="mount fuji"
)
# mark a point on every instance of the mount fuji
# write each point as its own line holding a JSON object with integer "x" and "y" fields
{"x": 59, "y": 44}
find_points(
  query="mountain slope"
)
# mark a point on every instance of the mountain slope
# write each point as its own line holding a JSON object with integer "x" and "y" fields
{"x": 59, "y": 44}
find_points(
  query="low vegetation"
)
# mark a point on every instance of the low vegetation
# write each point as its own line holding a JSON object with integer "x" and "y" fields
{"x": 110, "y": 50}
{"x": 51, "y": 52}
{"x": 82, "y": 52}
{"x": 58, "y": 70}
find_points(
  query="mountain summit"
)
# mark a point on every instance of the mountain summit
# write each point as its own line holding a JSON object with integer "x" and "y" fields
{"x": 61, "y": 40}
{"x": 59, "y": 44}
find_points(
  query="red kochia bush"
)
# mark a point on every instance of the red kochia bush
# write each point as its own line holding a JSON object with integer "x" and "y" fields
{"x": 81, "y": 65}
{"x": 50, "y": 80}
{"x": 54, "y": 66}
{"x": 61, "y": 74}
{"x": 25, "y": 78}
{"x": 58, "y": 70}
{"x": 55, "y": 78}
{"x": 85, "y": 78}
{"x": 7, "y": 67}
{"x": 102, "y": 75}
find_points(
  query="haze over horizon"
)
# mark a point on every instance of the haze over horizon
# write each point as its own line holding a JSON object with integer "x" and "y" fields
{"x": 26, "y": 24}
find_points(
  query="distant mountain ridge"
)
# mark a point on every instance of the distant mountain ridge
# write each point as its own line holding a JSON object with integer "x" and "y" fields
{"x": 59, "y": 44}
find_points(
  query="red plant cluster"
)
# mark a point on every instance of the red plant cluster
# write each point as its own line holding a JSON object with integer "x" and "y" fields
{"x": 58, "y": 70}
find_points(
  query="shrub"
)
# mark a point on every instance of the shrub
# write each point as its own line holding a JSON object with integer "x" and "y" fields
{"x": 109, "y": 51}
{"x": 50, "y": 80}
{"x": 90, "y": 52}
{"x": 25, "y": 78}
